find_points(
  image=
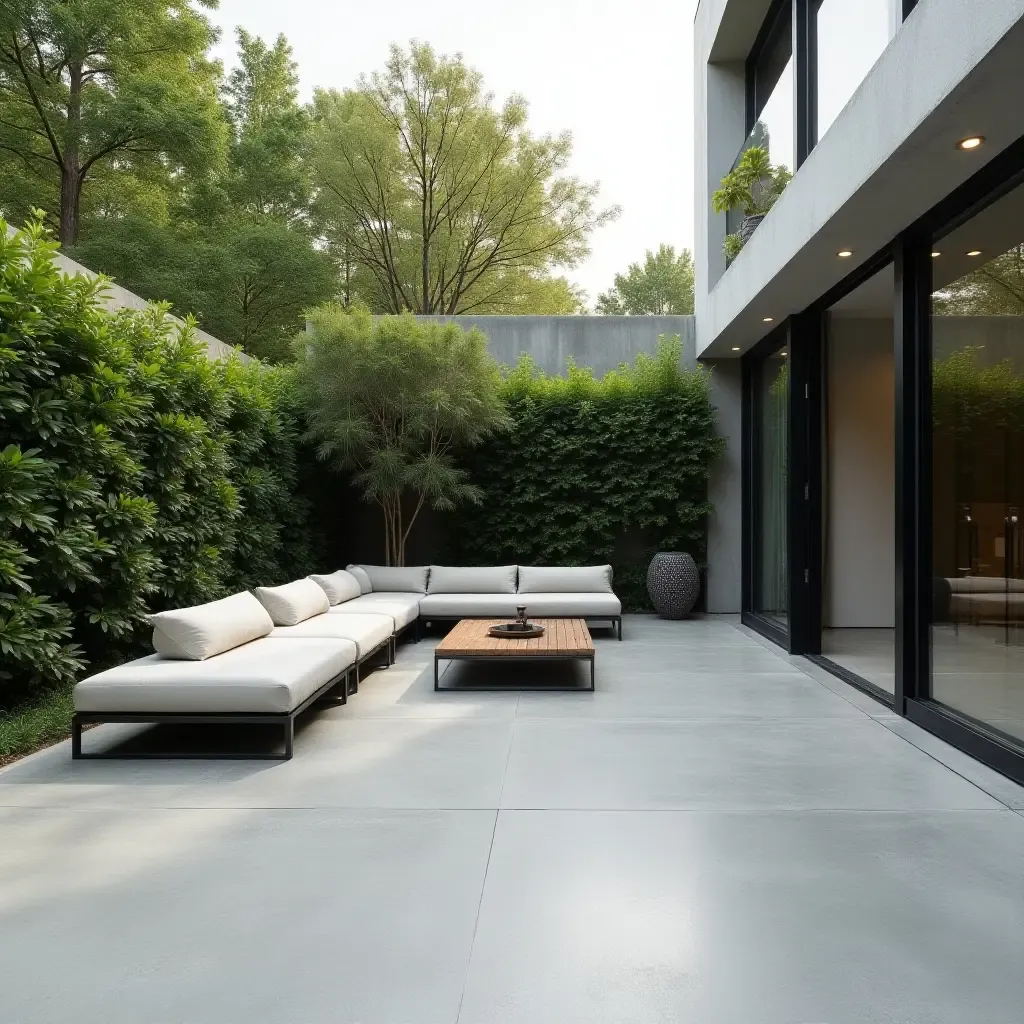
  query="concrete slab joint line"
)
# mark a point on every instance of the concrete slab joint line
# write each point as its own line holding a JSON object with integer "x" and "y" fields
{"x": 713, "y": 835}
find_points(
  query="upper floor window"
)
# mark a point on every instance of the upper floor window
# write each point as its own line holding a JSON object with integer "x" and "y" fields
{"x": 850, "y": 37}
{"x": 770, "y": 85}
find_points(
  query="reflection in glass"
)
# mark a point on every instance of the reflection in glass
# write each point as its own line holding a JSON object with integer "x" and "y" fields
{"x": 978, "y": 469}
{"x": 851, "y": 37}
{"x": 775, "y": 122}
{"x": 771, "y": 435}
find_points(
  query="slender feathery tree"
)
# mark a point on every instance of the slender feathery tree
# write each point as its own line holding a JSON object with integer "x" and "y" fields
{"x": 390, "y": 401}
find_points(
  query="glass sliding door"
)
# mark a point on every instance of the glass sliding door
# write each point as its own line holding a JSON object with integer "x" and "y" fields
{"x": 977, "y": 633}
{"x": 858, "y": 484}
{"x": 770, "y": 438}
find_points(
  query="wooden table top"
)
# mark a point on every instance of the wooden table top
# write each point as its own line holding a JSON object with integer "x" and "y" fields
{"x": 561, "y": 636}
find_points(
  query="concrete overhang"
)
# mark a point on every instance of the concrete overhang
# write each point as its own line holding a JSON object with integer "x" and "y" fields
{"x": 954, "y": 69}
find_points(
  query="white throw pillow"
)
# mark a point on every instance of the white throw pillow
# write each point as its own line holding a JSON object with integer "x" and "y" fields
{"x": 365, "y": 586}
{"x": 394, "y": 579}
{"x": 472, "y": 579}
{"x": 294, "y": 602}
{"x": 200, "y": 632}
{"x": 581, "y": 579}
{"x": 339, "y": 586}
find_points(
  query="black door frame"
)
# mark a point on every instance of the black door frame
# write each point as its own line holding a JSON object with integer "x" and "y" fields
{"x": 751, "y": 470}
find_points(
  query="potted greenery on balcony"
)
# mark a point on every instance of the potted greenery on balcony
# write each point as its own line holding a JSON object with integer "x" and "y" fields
{"x": 753, "y": 185}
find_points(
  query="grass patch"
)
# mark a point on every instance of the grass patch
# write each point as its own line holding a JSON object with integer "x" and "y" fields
{"x": 33, "y": 726}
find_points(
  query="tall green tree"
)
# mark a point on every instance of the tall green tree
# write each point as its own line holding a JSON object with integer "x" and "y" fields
{"x": 662, "y": 285}
{"x": 102, "y": 87}
{"x": 446, "y": 203}
{"x": 391, "y": 400}
{"x": 239, "y": 253}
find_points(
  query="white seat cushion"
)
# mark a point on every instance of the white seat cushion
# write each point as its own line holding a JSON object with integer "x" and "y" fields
{"x": 294, "y": 602}
{"x": 206, "y": 630}
{"x": 472, "y": 579}
{"x": 338, "y": 586}
{"x": 485, "y": 605}
{"x": 266, "y": 676}
{"x": 469, "y": 605}
{"x": 570, "y": 579}
{"x": 403, "y": 608}
{"x": 367, "y": 630}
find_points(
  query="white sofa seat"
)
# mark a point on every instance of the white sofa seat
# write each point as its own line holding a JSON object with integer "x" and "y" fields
{"x": 266, "y": 676}
{"x": 402, "y": 607}
{"x": 367, "y": 631}
{"x": 596, "y": 606}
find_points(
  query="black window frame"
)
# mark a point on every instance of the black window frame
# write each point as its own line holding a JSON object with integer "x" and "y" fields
{"x": 798, "y": 18}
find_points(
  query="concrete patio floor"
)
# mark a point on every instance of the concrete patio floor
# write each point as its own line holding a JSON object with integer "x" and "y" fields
{"x": 719, "y": 835}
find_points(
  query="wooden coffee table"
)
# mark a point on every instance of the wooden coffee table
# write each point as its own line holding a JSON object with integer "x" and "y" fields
{"x": 563, "y": 640}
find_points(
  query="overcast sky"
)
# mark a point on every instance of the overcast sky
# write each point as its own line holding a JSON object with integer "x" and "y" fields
{"x": 616, "y": 73}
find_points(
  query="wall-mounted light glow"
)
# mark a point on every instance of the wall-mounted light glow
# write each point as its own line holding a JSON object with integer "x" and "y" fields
{"x": 768, "y": 319}
{"x": 934, "y": 254}
{"x": 974, "y": 252}
{"x": 844, "y": 254}
{"x": 971, "y": 142}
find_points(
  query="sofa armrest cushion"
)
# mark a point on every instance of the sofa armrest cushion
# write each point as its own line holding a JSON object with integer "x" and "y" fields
{"x": 583, "y": 579}
{"x": 338, "y": 586}
{"x": 205, "y": 630}
{"x": 408, "y": 579}
{"x": 293, "y": 603}
{"x": 472, "y": 579}
{"x": 365, "y": 586}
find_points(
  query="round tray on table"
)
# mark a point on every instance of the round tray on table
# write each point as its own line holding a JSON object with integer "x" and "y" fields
{"x": 515, "y": 631}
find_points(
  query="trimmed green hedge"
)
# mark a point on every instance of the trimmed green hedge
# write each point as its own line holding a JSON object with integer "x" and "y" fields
{"x": 596, "y": 470}
{"x": 134, "y": 473}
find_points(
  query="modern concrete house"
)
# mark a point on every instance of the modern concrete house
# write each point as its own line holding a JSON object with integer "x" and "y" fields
{"x": 874, "y": 324}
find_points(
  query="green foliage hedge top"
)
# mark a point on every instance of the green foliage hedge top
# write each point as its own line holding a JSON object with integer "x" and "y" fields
{"x": 595, "y": 470}
{"x": 134, "y": 473}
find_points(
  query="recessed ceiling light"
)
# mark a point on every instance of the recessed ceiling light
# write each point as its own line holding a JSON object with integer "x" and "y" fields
{"x": 974, "y": 252}
{"x": 768, "y": 319}
{"x": 934, "y": 254}
{"x": 783, "y": 354}
{"x": 735, "y": 348}
{"x": 844, "y": 254}
{"x": 971, "y": 142}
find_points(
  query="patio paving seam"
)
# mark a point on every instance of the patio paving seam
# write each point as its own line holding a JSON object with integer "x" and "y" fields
{"x": 476, "y": 919}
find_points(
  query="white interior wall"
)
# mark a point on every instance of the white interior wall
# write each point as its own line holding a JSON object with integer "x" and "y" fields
{"x": 860, "y": 549}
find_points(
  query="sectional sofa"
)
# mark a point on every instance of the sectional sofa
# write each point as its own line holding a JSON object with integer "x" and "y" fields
{"x": 267, "y": 656}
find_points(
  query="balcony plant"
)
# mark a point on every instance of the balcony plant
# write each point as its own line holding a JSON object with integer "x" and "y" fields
{"x": 753, "y": 185}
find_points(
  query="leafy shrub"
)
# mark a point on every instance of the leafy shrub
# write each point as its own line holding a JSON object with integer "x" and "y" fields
{"x": 594, "y": 470}
{"x": 135, "y": 474}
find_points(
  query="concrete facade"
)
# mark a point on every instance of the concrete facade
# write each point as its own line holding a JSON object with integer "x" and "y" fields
{"x": 888, "y": 157}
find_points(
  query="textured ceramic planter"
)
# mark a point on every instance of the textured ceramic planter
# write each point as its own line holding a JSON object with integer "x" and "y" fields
{"x": 749, "y": 224}
{"x": 673, "y": 584}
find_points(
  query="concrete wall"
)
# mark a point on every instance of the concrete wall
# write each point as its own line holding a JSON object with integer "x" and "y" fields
{"x": 860, "y": 546}
{"x": 600, "y": 342}
{"x": 115, "y": 297}
{"x": 888, "y": 158}
{"x": 725, "y": 490}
